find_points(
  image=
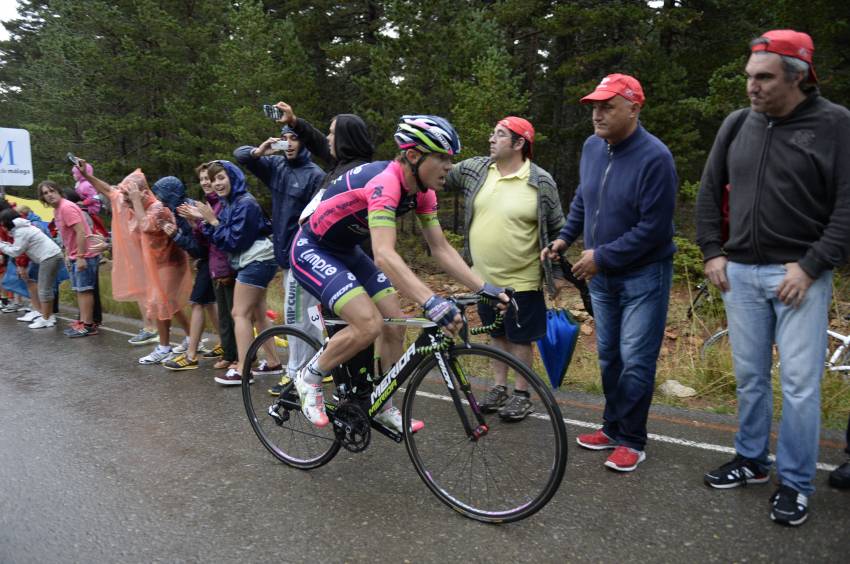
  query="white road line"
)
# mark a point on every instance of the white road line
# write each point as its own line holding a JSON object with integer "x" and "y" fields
{"x": 655, "y": 437}
{"x": 575, "y": 422}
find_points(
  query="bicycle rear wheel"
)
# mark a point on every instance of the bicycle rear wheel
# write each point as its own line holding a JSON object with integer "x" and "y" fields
{"x": 278, "y": 420}
{"x": 507, "y": 474}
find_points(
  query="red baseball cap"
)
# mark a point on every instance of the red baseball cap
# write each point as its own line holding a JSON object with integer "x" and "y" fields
{"x": 790, "y": 43}
{"x": 626, "y": 86}
{"x": 521, "y": 127}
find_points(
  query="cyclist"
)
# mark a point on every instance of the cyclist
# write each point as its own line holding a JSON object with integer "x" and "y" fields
{"x": 327, "y": 261}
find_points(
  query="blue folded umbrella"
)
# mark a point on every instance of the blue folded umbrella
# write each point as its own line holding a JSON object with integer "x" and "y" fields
{"x": 557, "y": 346}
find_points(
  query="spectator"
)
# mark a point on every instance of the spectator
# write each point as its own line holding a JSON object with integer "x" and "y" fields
{"x": 624, "y": 207}
{"x": 84, "y": 263}
{"x": 346, "y": 146}
{"x": 293, "y": 179}
{"x": 512, "y": 213}
{"x": 789, "y": 223}
{"x": 30, "y": 240}
{"x": 89, "y": 200}
{"x": 242, "y": 231}
{"x": 128, "y": 268}
{"x": 168, "y": 278}
{"x": 223, "y": 278}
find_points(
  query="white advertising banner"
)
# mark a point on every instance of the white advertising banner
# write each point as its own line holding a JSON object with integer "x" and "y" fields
{"x": 15, "y": 157}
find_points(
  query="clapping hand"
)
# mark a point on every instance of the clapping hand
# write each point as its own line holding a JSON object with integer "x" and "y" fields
{"x": 197, "y": 211}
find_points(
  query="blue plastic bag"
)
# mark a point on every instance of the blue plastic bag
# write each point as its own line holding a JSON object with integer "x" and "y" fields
{"x": 557, "y": 346}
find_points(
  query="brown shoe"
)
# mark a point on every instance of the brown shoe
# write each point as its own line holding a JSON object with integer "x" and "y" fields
{"x": 222, "y": 364}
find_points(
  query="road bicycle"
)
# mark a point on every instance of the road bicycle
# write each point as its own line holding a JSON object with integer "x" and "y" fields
{"x": 485, "y": 467}
{"x": 717, "y": 344}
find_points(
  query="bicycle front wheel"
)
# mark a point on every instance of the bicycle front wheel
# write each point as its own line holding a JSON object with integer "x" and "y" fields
{"x": 509, "y": 472}
{"x": 277, "y": 419}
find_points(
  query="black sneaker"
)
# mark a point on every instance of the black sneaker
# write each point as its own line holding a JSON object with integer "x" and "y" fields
{"x": 739, "y": 471}
{"x": 495, "y": 398}
{"x": 788, "y": 506}
{"x": 840, "y": 477}
{"x": 516, "y": 408}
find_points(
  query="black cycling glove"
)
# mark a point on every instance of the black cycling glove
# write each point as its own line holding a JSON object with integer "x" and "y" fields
{"x": 490, "y": 292}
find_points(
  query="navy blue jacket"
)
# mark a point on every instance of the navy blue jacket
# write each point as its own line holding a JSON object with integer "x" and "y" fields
{"x": 292, "y": 183}
{"x": 624, "y": 203}
{"x": 241, "y": 220}
{"x": 171, "y": 191}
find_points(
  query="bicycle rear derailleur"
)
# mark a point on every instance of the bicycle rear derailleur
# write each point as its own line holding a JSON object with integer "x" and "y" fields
{"x": 351, "y": 426}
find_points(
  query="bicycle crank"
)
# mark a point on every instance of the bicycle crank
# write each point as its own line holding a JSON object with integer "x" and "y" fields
{"x": 351, "y": 426}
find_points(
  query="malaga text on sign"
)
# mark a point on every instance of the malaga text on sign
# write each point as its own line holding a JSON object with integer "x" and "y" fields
{"x": 15, "y": 157}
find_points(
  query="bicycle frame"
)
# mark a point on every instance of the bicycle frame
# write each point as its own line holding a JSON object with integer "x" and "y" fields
{"x": 839, "y": 353}
{"x": 431, "y": 341}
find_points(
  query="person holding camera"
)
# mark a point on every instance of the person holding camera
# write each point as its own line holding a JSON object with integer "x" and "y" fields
{"x": 285, "y": 166}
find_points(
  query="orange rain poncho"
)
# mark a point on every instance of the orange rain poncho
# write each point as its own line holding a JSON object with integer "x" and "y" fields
{"x": 128, "y": 267}
{"x": 167, "y": 280}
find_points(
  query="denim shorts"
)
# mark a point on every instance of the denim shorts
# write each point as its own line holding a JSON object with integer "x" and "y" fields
{"x": 257, "y": 274}
{"x": 84, "y": 280}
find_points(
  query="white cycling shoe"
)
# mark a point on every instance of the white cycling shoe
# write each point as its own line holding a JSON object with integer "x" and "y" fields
{"x": 312, "y": 400}
{"x": 392, "y": 418}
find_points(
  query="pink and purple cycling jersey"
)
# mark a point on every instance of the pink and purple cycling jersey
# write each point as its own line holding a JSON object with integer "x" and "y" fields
{"x": 371, "y": 195}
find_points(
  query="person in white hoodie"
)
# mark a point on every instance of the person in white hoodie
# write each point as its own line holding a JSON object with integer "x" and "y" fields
{"x": 30, "y": 240}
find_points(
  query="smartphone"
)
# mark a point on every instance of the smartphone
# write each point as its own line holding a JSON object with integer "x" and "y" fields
{"x": 74, "y": 160}
{"x": 281, "y": 145}
{"x": 272, "y": 112}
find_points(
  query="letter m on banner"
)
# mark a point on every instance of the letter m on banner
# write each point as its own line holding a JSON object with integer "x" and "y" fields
{"x": 15, "y": 157}
{"x": 7, "y": 153}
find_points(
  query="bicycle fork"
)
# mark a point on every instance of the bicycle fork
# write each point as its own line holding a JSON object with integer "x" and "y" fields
{"x": 479, "y": 428}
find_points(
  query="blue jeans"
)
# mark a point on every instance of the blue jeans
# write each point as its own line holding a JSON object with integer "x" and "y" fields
{"x": 630, "y": 312}
{"x": 756, "y": 320}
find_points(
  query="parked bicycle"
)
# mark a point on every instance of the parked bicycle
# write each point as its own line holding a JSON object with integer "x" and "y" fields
{"x": 717, "y": 344}
{"x": 484, "y": 467}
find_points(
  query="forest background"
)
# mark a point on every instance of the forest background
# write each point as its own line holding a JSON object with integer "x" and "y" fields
{"x": 167, "y": 84}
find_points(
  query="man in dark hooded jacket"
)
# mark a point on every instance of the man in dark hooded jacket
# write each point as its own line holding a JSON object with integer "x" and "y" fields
{"x": 293, "y": 180}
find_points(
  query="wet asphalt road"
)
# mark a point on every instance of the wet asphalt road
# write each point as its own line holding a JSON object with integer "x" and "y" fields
{"x": 104, "y": 460}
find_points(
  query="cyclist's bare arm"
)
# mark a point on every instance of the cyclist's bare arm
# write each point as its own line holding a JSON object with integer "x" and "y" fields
{"x": 449, "y": 259}
{"x": 391, "y": 263}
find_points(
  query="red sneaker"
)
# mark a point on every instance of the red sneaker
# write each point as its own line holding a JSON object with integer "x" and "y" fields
{"x": 625, "y": 459}
{"x": 596, "y": 440}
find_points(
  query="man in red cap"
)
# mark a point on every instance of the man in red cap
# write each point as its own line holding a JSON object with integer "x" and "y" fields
{"x": 783, "y": 163}
{"x": 623, "y": 208}
{"x": 512, "y": 212}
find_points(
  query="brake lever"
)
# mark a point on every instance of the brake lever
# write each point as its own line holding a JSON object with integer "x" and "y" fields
{"x": 513, "y": 303}
{"x": 464, "y": 330}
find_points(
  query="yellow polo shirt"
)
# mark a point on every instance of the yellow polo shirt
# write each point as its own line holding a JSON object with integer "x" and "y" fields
{"x": 503, "y": 237}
